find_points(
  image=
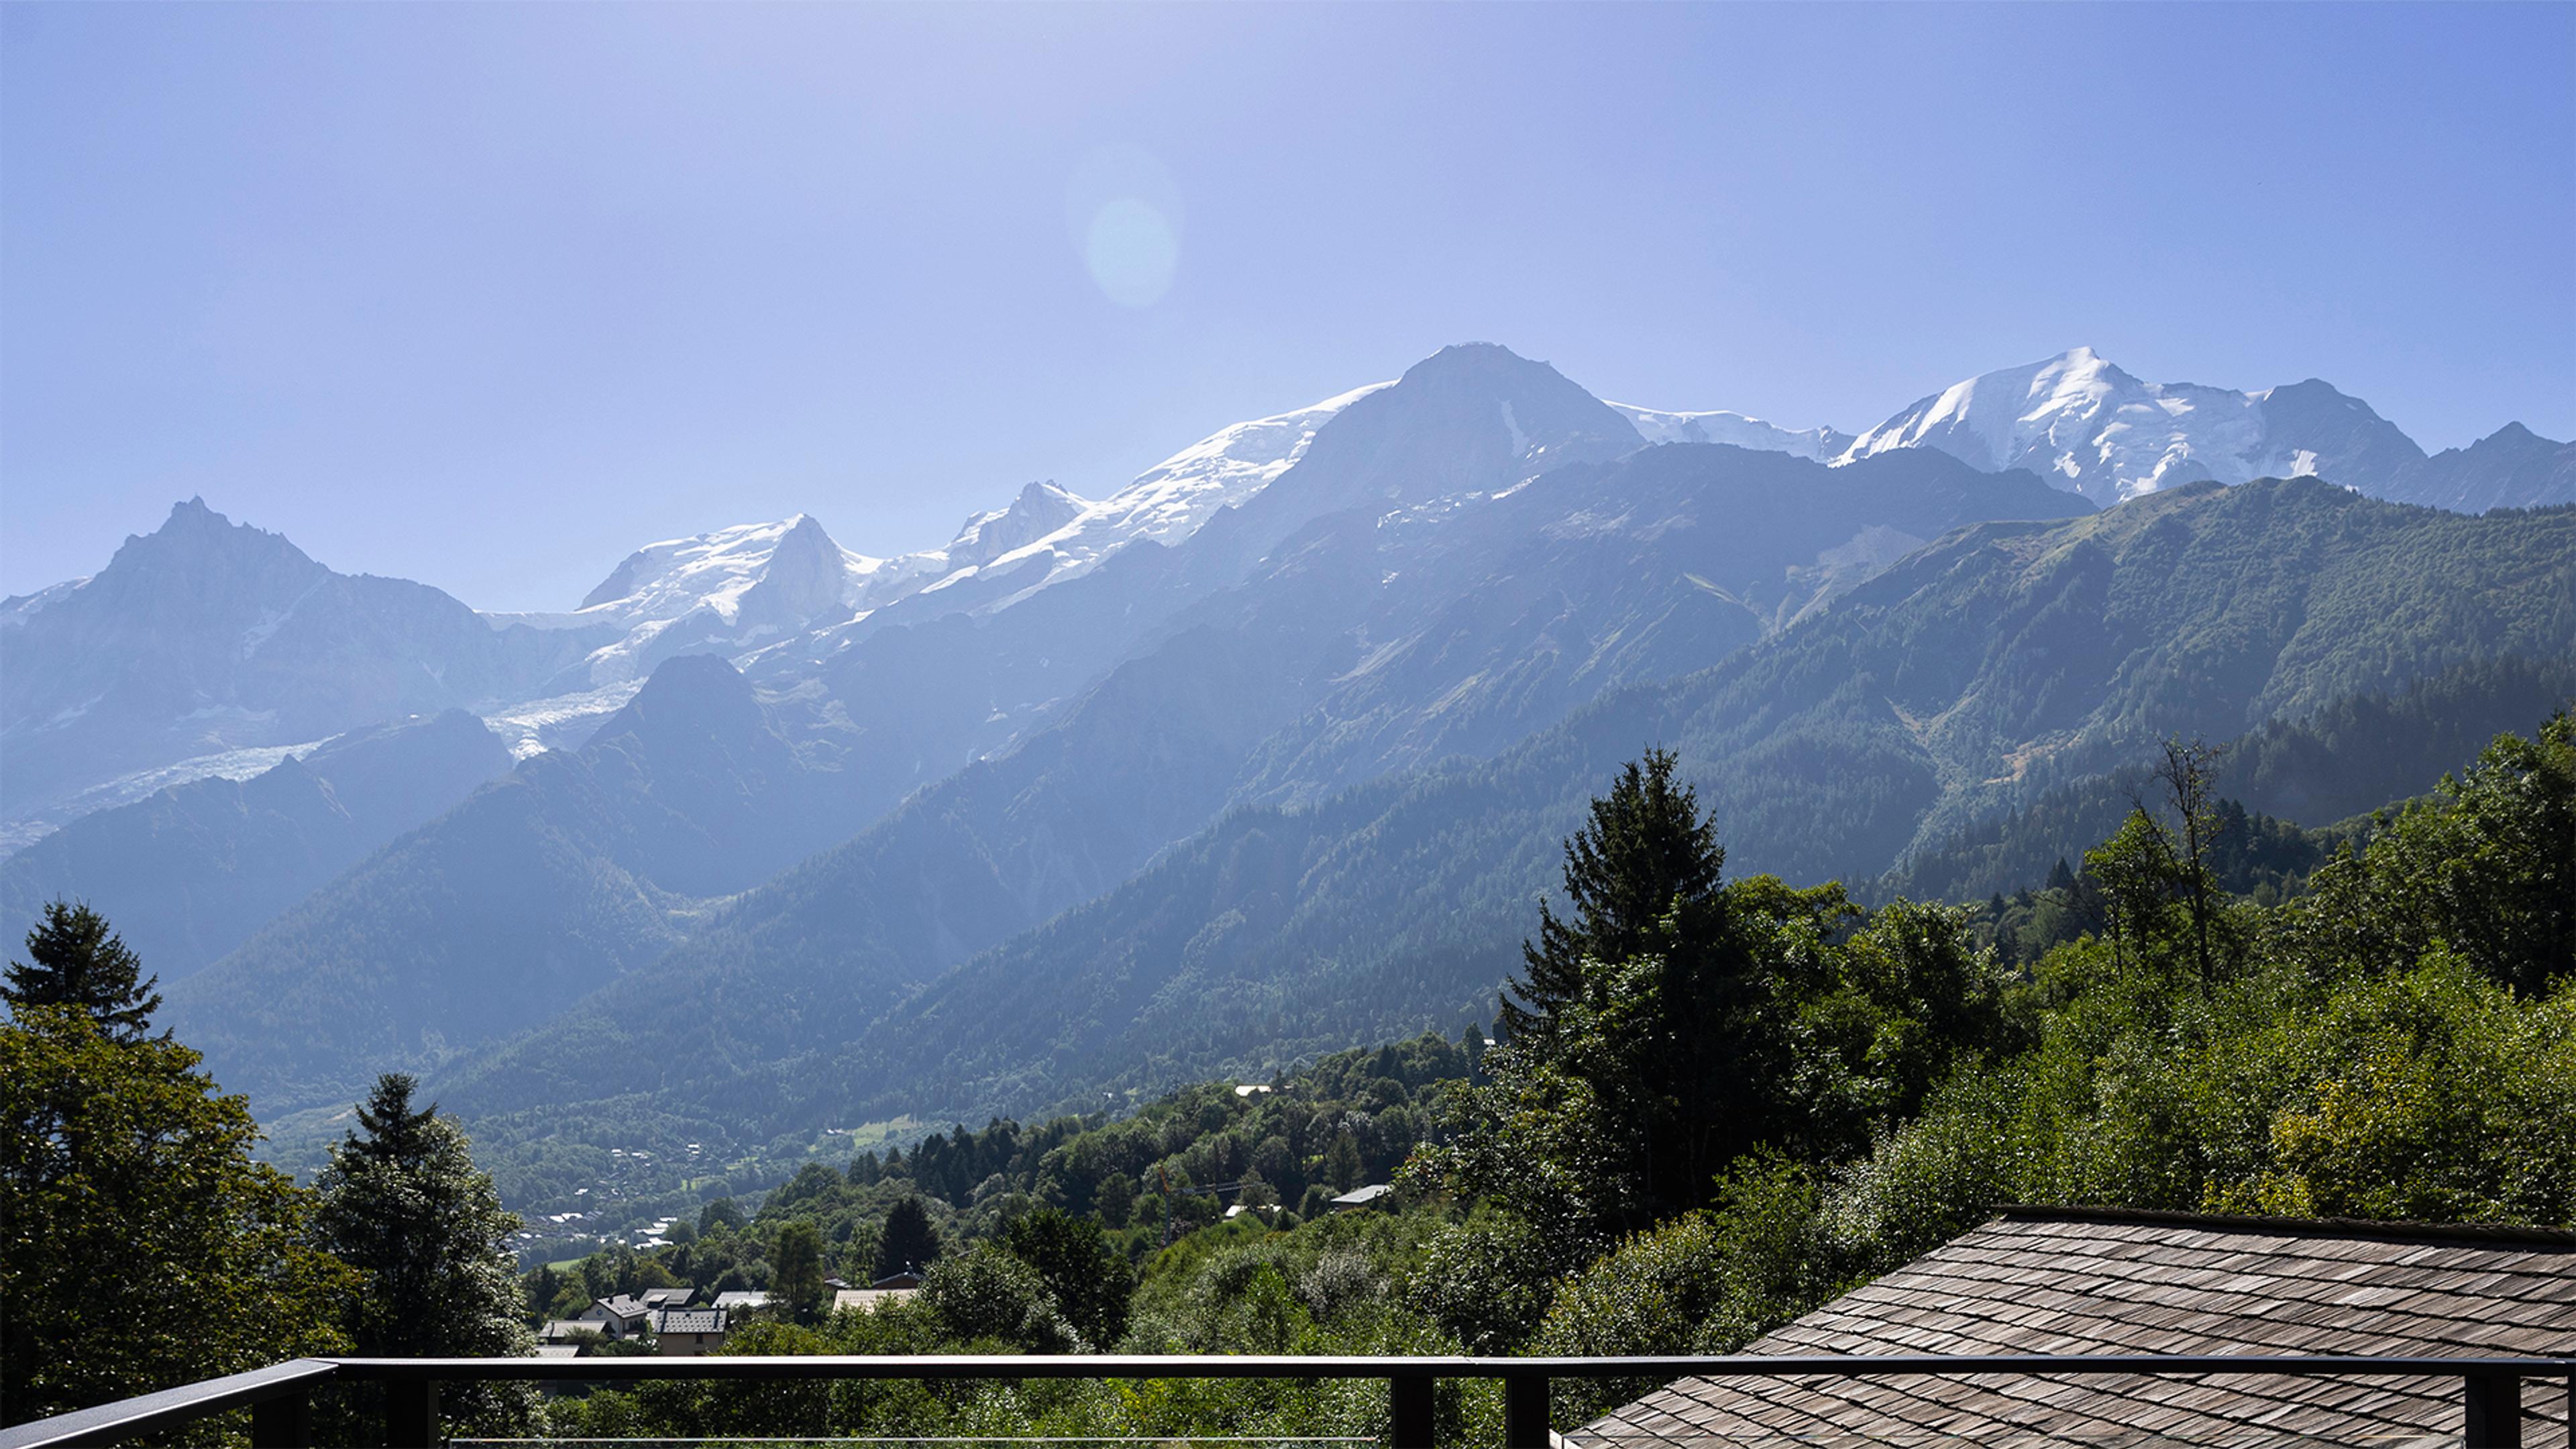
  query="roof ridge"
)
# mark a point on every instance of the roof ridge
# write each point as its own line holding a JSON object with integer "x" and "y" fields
{"x": 2294, "y": 1227}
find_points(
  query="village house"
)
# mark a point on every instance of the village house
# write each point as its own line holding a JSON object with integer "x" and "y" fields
{"x": 618, "y": 1317}
{"x": 678, "y": 1332}
{"x": 741, "y": 1301}
{"x": 893, "y": 1288}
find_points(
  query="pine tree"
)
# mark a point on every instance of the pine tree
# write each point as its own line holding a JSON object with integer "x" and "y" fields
{"x": 74, "y": 960}
{"x": 403, "y": 1203}
{"x": 910, "y": 1243}
{"x": 1646, "y": 850}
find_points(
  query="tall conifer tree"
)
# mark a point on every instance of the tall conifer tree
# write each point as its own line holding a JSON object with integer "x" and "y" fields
{"x": 1646, "y": 850}
{"x": 74, "y": 960}
{"x": 404, "y": 1204}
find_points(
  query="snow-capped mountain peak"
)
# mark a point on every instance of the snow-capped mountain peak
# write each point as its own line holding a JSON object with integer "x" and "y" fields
{"x": 2092, "y": 428}
{"x": 1165, "y": 504}
{"x": 1039, "y": 511}
{"x": 1168, "y": 501}
{"x": 716, "y": 571}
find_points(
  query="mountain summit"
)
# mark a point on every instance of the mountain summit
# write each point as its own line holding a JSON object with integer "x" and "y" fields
{"x": 2085, "y": 424}
{"x": 207, "y": 637}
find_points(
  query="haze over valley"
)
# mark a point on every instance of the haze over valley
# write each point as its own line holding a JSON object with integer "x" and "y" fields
{"x": 1259, "y": 757}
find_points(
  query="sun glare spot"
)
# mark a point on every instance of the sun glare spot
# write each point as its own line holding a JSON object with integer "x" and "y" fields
{"x": 1131, "y": 252}
{"x": 1123, "y": 210}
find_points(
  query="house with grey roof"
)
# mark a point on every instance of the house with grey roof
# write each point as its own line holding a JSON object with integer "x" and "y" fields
{"x": 2109, "y": 1281}
{"x": 678, "y": 1332}
{"x": 618, "y": 1317}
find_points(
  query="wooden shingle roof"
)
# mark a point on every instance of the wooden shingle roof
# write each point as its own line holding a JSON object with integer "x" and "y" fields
{"x": 2087, "y": 1281}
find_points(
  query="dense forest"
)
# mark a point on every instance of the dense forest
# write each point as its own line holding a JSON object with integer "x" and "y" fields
{"x": 1712, "y": 1102}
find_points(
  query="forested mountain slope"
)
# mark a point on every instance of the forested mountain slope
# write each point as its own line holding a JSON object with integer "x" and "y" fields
{"x": 576, "y": 866}
{"x": 1373, "y": 640}
{"x": 190, "y": 871}
{"x": 2348, "y": 758}
{"x": 1827, "y": 750}
{"x": 1434, "y": 600}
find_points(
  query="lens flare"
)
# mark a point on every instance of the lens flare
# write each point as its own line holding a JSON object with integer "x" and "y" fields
{"x": 1123, "y": 212}
{"x": 1131, "y": 252}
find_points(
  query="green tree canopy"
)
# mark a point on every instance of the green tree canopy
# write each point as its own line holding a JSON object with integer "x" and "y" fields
{"x": 74, "y": 960}
{"x": 1087, "y": 1278}
{"x": 140, "y": 1246}
{"x": 2486, "y": 866}
{"x": 796, "y": 1272}
{"x": 1680, "y": 1022}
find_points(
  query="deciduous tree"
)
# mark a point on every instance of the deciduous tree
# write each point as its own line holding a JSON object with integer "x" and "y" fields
{"x": 140, "y": 1246}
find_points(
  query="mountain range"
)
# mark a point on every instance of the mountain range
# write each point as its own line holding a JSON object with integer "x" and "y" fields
{"x": 2007, "y": 654}
{"x": 1266, "y": 753}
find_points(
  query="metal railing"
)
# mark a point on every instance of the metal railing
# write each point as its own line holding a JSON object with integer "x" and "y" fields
{"x": 280, "y": 1397}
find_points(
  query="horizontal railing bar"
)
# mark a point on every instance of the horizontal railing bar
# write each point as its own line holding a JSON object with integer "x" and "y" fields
{"x": 146, "y": 1413}
{"x": 141, "y": 1415}
{"x": 1283, "y": 1366}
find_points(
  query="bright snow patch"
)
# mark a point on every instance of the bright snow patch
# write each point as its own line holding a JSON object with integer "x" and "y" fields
{"x": 1731, "y": 428}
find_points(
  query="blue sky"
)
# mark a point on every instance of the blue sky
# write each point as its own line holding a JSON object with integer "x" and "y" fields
{"x": 487, "y": 295}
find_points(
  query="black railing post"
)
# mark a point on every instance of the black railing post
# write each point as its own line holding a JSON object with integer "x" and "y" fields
{"x": 2493, "y": 1403}
{"x": 1525, "y": 1411}
{"x": 1410, "y": 1411}
{"x": 411, "y": 1414}
{"x": 284, "y": 1422}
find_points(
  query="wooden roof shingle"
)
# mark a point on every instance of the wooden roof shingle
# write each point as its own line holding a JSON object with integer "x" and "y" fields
{"x": 2101, "y": 1281}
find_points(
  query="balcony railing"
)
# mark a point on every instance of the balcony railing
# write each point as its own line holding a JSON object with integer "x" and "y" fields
{"x": 280, "y": 1397}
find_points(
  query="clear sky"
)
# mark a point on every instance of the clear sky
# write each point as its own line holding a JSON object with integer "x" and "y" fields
{"x": 486, "y": 295}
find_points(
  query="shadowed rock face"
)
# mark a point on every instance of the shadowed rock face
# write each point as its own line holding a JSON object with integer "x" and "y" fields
{"x": 2310, "y": 427}
{"x": 2512, "y": 467}
{"x": 541, "y": 885}
{"x": 804, "y": 581}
